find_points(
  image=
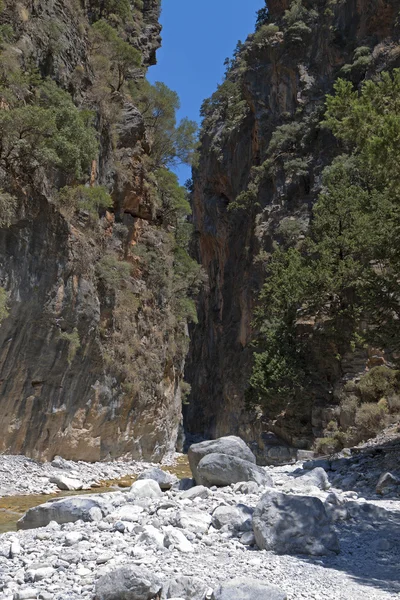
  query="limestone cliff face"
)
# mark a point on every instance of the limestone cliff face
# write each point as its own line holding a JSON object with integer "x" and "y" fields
{"x": 71, "y": 337}
{"x": 280, "y": 77}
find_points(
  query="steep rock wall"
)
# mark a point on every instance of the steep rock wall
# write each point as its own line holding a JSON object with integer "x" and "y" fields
{"x": 282, "y": 78}
{"x": 70, "y": 339}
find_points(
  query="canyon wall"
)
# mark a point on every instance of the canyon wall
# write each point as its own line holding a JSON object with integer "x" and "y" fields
{"x": 91, "y": 354}
{"x": 275, "y": 90}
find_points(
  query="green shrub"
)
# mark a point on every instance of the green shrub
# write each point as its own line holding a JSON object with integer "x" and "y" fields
{"x": 8, "y": 207}
{"x": 50, "y": 132}
{"x": 370, "y": 418}
{"x": 92, "y": 199}
{"x": 113, "y": 58}
{"x": 170, "y": 142}
{"x": 379, "y": 382}
{"x": 74, "y": 343}
{"x": 113, "y": 272}
{"x": 265, "y": 33}
{"x": 327, "y": 445}
{"x": 3, "y": 304}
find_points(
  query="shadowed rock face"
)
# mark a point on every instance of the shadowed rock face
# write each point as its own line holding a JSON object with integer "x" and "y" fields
{"x": 54, "y": 401}
{"x": 281, "y": 78}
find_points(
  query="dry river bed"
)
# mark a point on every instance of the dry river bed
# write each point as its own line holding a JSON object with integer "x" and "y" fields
{"x": 175, "y": 535}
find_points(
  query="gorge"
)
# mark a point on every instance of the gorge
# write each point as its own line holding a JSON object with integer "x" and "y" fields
{"x": 99, "y": 266}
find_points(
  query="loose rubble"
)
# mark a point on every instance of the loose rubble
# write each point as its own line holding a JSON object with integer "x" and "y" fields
{"x": 211, "y": 543}
{"x": 21, "y": 475}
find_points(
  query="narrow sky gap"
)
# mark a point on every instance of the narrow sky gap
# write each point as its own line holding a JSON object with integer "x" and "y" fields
{"x": 197, "y": 37}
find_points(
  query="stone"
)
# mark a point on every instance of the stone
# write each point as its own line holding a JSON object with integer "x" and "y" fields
{"x": 174, "y": 537}
{"x": 248, "y": 538}
{"x": 15, "y": 548}
{"x": 65, "y": 510}
{"x": 150, "y": 536}
{"x": 128, "y": 583}
{"x": 189, "y": 588}
{"x": 289, "y": 524}
{"x": 335, "y": 507}
{"x": 247, "y": 589}
{"x": 386, "y": 482}
{"x": 165, "y": 480}
{"x": 237, "y": 518}
{"x": 246, "y": 487}
{"x": 222, "y": 469}
{"x": 324, "y": 463}
{"x": 184, "y": 484}
{"x": 199, "y": 491}
{"x": 72, "y": 538}
{"x": 146, "y": 488}
{"x": 129, "y": 513}
{"x": 27, "y": 594}
{"x": 231, "y": 445}
{"x": 316, "y": 477}
{"x": 192, "y": 520}
{"x": 66, "y": 483}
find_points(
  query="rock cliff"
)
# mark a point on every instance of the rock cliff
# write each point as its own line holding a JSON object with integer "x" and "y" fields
{"x": 91, "y": 352}
{"x": 266, "y": 116}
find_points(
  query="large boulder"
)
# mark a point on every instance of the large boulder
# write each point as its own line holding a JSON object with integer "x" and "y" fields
{"x": 66, "y": 483}
{"x": 247, "y": 589}
{"x": 223, "y": 469}
{"x": 65, "y": 510}
{"x": 190, "y": 588}
{"x": 165, "y": 480}
{"x": 128, "y": 583}
{"x": 231, "y": 445}
{"x": 235, "y": 518}
{"x": 289, "y": 524}
{"x": 146, "y": 488}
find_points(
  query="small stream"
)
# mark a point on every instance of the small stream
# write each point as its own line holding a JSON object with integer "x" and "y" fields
{"x": 13, "y": 507}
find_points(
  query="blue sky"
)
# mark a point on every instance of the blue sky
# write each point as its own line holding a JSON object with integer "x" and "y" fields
{"x": 197, "y": 37}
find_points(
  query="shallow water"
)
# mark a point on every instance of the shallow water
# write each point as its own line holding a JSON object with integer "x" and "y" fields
{"x": 13, "y": 507}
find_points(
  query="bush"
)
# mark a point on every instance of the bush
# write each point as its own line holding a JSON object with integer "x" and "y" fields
{"x": 379, "y": 382}
{"x": 8, "y": 207}
{"x": 265, "y": 33}
{"x": 370, "y": 418}
{"x": 114, "y": 59}
{"x": 327, "y": 445}
{"x": 50, "y": 132}
{"x": 92, "y": 199}
{"x": 74, "y": 343}
{"x": 3, "y": 304}
{"x": 171, "y": 142}
{"x": 112, "y": 271}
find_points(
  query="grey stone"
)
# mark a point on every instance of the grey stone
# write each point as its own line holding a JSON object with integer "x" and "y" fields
{"x": 317, "y": 477}
{"x": 146, "y": 488}
{"x": 164, "y": 480}
{"x": 319, "y": 462}
{"x": 231, "y": 445}
{"x": 184, "y": 484}
{"x": 248, "y": 589}
{"x": 192, "y": 520}
{"x": 246, "y": 487}
{"x": 289, "y": 524}
{"x": 174, "y": 537}
{"x": 199, "y": 491}
{"x": 386, "y": 482}
{"x": 190, "y": 588}
{"x": 128, "y": 583}
{"x": 66, "y": 483}
{"x": 222, "y": 469}
{"x": 65, "y": 510}
{"x": 237, "y": 518}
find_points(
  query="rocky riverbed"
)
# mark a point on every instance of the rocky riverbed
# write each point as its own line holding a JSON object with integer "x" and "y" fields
{"x": 320, "y": 539}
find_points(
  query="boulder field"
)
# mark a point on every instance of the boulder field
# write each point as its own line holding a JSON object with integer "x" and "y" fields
{"x": 288, "y": 536}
